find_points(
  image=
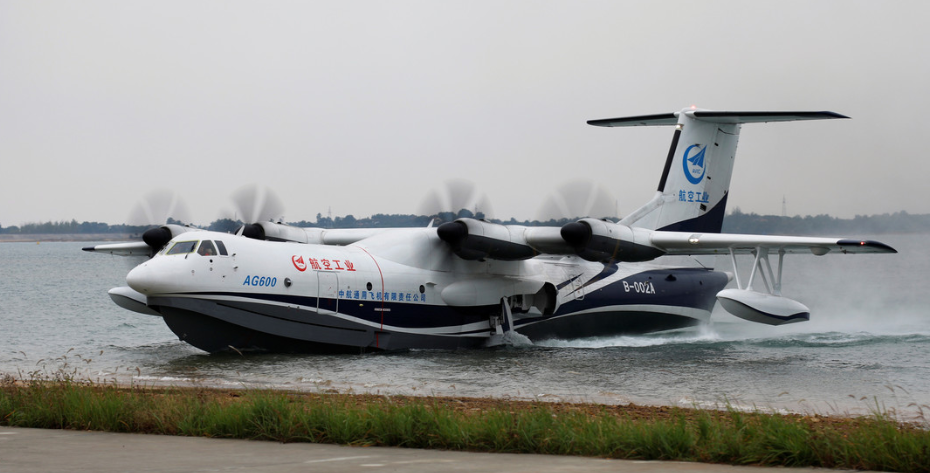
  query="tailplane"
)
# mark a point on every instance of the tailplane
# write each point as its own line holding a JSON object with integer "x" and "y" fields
{"x": 695, "y": 184}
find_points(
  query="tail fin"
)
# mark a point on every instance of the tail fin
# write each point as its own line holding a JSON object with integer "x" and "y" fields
{"x": 695, "y": 184}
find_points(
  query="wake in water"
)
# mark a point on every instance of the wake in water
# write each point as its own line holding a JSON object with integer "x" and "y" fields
{"x": 509, "y": 338}
{"x": 700, "y": 334}
{"x": 849, "y": 329}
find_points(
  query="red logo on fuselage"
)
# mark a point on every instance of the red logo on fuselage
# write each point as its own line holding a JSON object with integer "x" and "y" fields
{"x": 299, "y": 263}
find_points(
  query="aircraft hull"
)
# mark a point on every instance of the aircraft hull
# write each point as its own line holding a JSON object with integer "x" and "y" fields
{"x": 216, "y": 322}
{"x": 214, "y": 335}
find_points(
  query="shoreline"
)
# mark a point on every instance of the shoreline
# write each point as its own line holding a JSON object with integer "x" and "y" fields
{"x": 462, "y": 404}
{"x": 468, "y": 404}
{"x": 67, "y": 237}
{"x": 879, "y": 442}
{"x": 130, "y": 378}
{"x": 911, "y": 416}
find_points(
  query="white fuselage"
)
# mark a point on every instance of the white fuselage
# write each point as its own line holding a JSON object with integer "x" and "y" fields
{"x": 401, "y": 289}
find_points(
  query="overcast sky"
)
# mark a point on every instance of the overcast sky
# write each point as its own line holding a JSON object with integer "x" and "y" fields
{"x": 364, "y": 106}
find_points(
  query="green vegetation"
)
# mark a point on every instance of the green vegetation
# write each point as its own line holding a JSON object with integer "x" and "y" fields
{"x": 876, "y": 443}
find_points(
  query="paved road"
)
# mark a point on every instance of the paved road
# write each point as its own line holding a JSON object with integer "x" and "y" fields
{"x": 40, "y": 450}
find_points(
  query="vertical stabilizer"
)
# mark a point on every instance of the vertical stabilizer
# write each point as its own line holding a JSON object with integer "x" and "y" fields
{"x": 695, "y": 183}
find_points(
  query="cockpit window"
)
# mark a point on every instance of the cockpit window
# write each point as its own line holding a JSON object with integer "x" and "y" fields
{"x": 182, "y": 247}
{"x": 222, "y": 248}
{"x": 207, "y": 248}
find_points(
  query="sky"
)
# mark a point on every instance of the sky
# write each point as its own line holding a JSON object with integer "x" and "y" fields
{"x": 365, "y": 107}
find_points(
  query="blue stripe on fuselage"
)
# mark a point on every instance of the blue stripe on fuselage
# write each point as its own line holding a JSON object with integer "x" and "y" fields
{"x": 694, "y": 288}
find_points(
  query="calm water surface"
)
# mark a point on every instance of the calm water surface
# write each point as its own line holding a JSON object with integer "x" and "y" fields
{"x": 868, "y": 344}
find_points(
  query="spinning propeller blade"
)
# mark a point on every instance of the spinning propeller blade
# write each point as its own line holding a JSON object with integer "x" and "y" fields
{"x": 164, "y": 211}
{"x": 257, "y": 204}
{"x": 577, "y": 199}
{"x": 158, "y": 207}
{"x": 456, "y": 198}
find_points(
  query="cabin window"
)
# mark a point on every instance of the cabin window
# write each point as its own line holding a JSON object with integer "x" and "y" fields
{"x": 182, "y": 248}
{"x": 207, "y": 249}
{"x": 222, "y": 248}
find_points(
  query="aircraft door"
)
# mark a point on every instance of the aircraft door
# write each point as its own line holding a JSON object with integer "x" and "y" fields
{"x": 328, "y": 291}
{"x": 578, "y": 287}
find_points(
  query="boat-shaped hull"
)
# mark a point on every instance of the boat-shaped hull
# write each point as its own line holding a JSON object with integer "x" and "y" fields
{"x": 217, "y": 322}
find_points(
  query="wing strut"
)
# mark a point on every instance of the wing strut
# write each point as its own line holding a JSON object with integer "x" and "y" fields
{"x": 763, "y": 266}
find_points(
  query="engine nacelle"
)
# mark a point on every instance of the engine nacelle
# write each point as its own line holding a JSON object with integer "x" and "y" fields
{"x": 600, "y": 240}
{"x": 156, "y": 238}
{"x": 271, "y": 231}
{"x": 473, "y": 239}
{"x": 525, "y": 294}
{"x": 763, "y": 308}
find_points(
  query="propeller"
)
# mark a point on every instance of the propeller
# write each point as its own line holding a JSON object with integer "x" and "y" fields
{"x": 164, "y": 211}
{"x": 454, "y": 199}
{"x": 257, "y": 204}
{"x": 157, "y": 208}
{"x": 577, "y": 199}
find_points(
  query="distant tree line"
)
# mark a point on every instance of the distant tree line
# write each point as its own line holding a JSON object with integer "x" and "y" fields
{"x": 72, "y": 227}
{"x": 735, "y": 222}
{"x": 752, "y": 223}
{"x": 410, "y": 220}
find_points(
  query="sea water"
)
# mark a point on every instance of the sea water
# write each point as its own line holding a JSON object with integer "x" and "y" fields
{"x": 866, "y": 347}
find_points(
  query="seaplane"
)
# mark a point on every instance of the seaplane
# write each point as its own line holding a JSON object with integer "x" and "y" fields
{"x": 469, "y": 283}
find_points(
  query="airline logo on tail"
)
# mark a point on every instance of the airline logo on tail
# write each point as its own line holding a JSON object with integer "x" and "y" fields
{"x": 694, "y": 165}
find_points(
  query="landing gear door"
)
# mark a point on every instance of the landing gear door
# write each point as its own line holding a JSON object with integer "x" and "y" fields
{"x": 328, "y": 290}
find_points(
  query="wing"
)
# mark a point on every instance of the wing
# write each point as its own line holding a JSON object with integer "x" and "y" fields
{"x": 153, "y": 240}
{"x": 136, "y": 248}
{"x": 684, "y": 243}
{"x": 600, "y": 240}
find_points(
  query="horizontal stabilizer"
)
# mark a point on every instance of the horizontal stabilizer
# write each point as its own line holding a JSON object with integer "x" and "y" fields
{"x": 641, "y": 120}
{"x": 713, "y": 116}
{"x": 760, "y": 117}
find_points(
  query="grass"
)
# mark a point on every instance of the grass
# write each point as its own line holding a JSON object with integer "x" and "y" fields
{"x": 877, "y": 442}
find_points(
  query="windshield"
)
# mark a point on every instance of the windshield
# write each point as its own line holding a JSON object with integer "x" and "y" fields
{"x": 207, "y": 248}
{"x": 182, "y": 247}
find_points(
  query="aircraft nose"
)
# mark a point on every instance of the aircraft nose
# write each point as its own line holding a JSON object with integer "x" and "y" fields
{"x": 141, "y": 278}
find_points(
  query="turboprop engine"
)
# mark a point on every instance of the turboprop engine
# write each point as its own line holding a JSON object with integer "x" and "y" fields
{"x": 156, "y": 238}
{"x": 473, "y": 239}
{"x": 591, "y": 239}
{"x": 271, "y": 231}
{"x": 601, "y": 240}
